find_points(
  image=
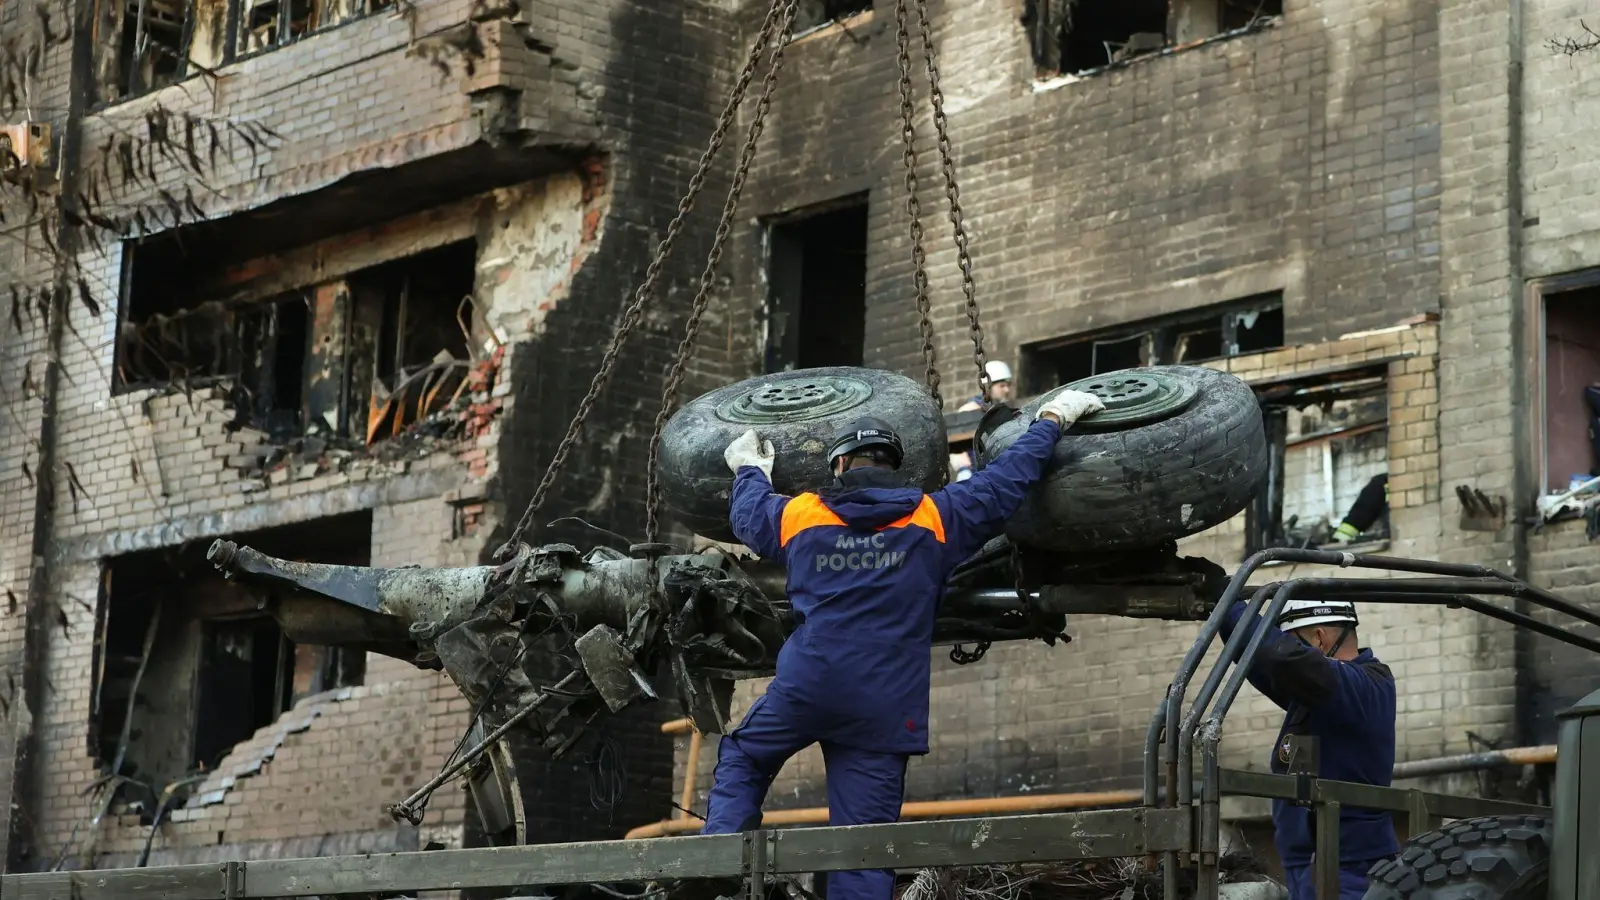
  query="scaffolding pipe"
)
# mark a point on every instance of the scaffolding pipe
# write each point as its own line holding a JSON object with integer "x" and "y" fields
{"x": 927, "y": 809}
{"x": 1471, "y": 762}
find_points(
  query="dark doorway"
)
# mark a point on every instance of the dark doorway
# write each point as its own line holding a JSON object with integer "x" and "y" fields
{"x": 817, "y": 309}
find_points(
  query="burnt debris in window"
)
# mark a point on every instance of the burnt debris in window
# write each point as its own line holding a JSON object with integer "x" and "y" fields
{"x": 813, "y": 14}
{"x": 818, "y": 282}
{"x": 1071, "y": 36}
{"x": 189, "y": 664}
{"x": 359, "y": 358}
{"x": 148, "y": 44}
{"x": 1329, "y": 439}
{"x": 1249, "y": 325}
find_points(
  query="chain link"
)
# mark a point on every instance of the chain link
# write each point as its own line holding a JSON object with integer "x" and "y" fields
{"x": 941, "y": 126}
{"x": 635, "y": 308}
{"x": 919, "y": 258}
{"x": 702, "y": 298}
{"x": 961, "y": 656}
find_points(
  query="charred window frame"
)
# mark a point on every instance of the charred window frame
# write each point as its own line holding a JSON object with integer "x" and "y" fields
{"x": 356, "y": 358}
{"x": 1248, "y": 325}
{"x": 188, "y": 664}
{"x": 812, "y": 15}
{"x": 1562, "y": 356}
{"x": 1077, "y": 37}
{"x": 1333, "y": 425}
{"x": 816, "y": 306}
{"x": 144, "y": 45}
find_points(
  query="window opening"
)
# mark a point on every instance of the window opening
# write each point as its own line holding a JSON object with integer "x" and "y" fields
{"x": 1571, "y": 387}
{"x": 359, "y": 358}
{"x": 148, "y": 44}
{"x": 190, "y": 664}
{"x": 1104, "y": 33}
{"x": 1329, "y": 461}
{"x": 816, "y": 313}
{"x": 1073, "y": 36}
{"x": 1249, "y": 325}
{"x": 813, "y": 14}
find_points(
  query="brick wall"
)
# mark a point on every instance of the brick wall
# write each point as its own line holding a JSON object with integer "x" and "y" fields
{"x": 1559, "y": 235}
{"x": 346, "y": 102}
{"x": 1302, "y": 158}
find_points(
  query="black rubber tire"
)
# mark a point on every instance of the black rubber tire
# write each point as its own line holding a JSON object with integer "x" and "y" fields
{"x": 695, "y": 479}
{"x": 1487, "y": 858}
{"x": 1147, "y": 484}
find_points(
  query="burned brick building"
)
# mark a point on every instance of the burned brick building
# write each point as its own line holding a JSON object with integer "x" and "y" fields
{"x": 332, "y": 279}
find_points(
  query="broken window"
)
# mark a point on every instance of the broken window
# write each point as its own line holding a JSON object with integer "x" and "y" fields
{"x": 817, "y": 313}
{"x": 148, "y": 44}
{"x": 359, "y": 358}
{"x": 1068, "y": 36}
{"x": 1328, "y": 438}
{"x": 189, "y": 664}
{"x": 813, "y": 14}
{"x": 1571, "y": 382}
{"x": 1250, "y": 325}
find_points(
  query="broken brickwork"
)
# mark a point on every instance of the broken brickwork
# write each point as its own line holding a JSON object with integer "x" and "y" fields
{"x": 1359, "y": 174}
{"x": 268, "y": 359}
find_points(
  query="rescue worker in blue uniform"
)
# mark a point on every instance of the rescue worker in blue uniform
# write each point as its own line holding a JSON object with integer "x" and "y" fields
{"x": 1332, "y": 688}
{"x": 867, "y": 563}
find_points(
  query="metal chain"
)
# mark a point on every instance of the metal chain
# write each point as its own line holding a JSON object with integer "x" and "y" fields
{"x": 919, "y": 258}
{"x": 635, "y": 308}
{"x": 702, "y": 298}
{"x": 953, "y": 193}
{"x": 961, "y": 656}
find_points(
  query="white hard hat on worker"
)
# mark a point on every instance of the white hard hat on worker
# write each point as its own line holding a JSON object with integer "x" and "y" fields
{"x": 1298, "y": 614}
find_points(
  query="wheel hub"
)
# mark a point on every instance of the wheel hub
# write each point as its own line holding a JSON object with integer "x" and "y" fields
{"x": 794, "y": 400}
{"x": 1134, "y": 398}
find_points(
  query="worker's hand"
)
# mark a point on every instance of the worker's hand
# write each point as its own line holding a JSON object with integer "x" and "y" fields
{"x": 750, "y": 450}
{"x": 1070, "y": 406}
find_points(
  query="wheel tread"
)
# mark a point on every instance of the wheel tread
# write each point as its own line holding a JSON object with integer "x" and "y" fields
{"x": 1470, "y": 859}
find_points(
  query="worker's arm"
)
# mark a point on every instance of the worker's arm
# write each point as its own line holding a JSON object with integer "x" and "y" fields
{"x": 755, "y": 511}
{"x": 976, "y": 510}
{"x": 1288, "y": 671}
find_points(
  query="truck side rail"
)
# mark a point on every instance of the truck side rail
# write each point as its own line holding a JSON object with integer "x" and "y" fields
{"x": 753, "y": 856}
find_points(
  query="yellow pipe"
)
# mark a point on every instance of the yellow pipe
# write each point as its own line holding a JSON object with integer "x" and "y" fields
{"x": 677, "y": 726}
{"x": 924, "y": 809}
{"x": 690, "y": 770}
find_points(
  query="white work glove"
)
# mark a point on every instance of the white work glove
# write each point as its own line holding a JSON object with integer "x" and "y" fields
{"x": 1070, "y": 406}
{"x": 750, "y": 450}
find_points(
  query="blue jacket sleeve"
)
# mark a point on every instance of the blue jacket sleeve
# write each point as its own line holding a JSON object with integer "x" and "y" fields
{"x": 1288, "y": 672}
{"x": 975, "y": 511}
{"x": 755, "y": 511}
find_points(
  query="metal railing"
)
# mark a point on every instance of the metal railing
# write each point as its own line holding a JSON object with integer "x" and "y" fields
{"x": 753, "y": 856}
{"x": 1454, "y": 586}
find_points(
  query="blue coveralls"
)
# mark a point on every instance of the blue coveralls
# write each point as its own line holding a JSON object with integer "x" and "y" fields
{"x": 867, "y": 564}
{"x": 1350, "y": 708}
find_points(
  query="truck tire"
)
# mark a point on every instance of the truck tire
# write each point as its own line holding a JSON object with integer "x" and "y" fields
{"x": 1177, "y": 450}
{"x": 801, "y": 412}
{"x": 1487, "y": 858}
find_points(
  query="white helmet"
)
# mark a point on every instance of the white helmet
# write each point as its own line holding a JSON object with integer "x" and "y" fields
{"x": 1311, "y": 613}
{"x": 997, "y": 371}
